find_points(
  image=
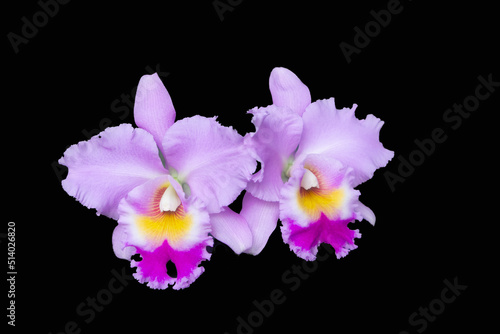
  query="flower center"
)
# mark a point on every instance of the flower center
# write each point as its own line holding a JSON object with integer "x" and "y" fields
{"x": 285, "y": 173}
{"x": 309, "y": 180}
{"x": 169, "y": 201}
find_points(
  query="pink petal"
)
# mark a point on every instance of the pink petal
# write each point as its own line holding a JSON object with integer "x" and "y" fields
{"x": 153, "y": 108}
{"x": 339, "y": 135}
{"x": 288, "y": 91}
{"x": 231, "y": 229}
{"x": 210, "y": 158}
{"x": 277, "y": 135}
{"x": 179, "y": 236}
{"x": 104, "y": 169}
{"x": 262, "y": 218}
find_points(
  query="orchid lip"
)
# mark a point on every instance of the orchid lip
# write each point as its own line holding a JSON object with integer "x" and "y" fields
{"x": 169, "y": 201}
{"x": 309, "y": 180}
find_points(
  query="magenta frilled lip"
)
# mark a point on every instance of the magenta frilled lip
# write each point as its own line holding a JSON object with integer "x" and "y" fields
{"x": 169, "y": 183}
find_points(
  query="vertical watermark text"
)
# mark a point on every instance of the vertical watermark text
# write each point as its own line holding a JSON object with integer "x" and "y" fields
{"x": 11, "y": 273}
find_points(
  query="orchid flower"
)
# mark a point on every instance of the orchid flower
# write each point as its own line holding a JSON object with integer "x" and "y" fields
{"x": 313, "y": 155}
{"x": 161, "y": 182}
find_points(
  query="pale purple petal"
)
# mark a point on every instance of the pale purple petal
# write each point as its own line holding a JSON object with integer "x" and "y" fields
{"x": 231, "y": 229}
{"x": 364, "y": 212}
{"x": 262, "y": 218}
{"x": 338, "y": 134}
{"x": 104, "y": 169}
{"x": 288, "y": 91}
{"x": 153, "y": 108}
{"x": 120, "y": 239}
{"x": 277, "y": 136}
{"x": 210, "y": 158}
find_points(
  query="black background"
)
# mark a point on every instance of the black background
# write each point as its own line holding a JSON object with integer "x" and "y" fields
{"x": 436, "y": 225}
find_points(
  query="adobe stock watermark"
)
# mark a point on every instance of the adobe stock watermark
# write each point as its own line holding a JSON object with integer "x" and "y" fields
{"x": 452, "y": 117}
{"x": 420, "y": 319}
{"x": 362, "y": 37}
{"x": 122, "y": 107}
{"x": 223, "y": 6}
{"x": 30, "y": 26}
{"x": 292, "y": 279}
{"x": 92, "y": 305}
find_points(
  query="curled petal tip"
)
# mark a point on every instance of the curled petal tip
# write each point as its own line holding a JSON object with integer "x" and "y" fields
{"x": 153, "y": 108}
{"x": 366, "y": 213}
{"x": 120, "y": 247}
{"x": 288, "y": 91}
{"x": 282, "y": 73}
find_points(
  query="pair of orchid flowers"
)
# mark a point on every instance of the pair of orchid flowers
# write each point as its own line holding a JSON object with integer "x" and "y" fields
{"x": 169, "y": 183}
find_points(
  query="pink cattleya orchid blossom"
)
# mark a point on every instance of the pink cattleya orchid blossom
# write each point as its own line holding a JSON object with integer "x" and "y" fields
{"x": 162, "y": 182}
{"x": 312, "y": 156}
